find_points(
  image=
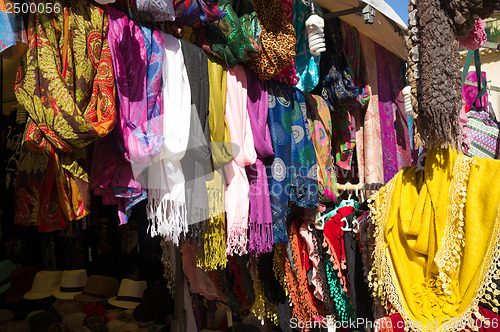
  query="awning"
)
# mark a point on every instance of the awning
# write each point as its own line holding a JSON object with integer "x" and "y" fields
{"x": 388, "y": 28}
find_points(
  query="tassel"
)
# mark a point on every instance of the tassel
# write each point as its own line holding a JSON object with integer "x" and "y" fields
{"x": 167, "y": 219}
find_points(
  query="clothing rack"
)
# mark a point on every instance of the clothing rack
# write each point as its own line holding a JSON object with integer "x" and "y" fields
{"x": 359, "y": 186}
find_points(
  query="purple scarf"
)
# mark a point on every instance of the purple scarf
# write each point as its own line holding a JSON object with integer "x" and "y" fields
{"x": 260, "y": 224}
{"x": 137, "y": 54}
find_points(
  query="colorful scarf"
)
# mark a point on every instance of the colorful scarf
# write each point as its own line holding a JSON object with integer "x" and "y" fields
{"x": 320, "y": 123}
{"x": 307, "y": 65}
{"x": 293, "y": 173}
{"x": 260, "y": 225}
{"x": 166, "y": 208}
{"x": 237, "y": 190}
{"x": 437, "y": 240}
{"x": 215, "y": 235}
{"x": 70, "y": 102}
{"x": 196, "y": 162}
{"x": 197, "y": 12}
{"x": 137, "y": 54}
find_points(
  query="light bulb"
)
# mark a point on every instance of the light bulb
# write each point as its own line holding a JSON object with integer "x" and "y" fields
{"x": 315, "y": 26}
{"x": 407, "y": 97}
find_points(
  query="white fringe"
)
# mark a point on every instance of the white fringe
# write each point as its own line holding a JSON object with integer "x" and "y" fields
{"x": 167, "y": 219}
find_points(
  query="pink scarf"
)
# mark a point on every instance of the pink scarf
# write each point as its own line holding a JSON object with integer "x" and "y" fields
{"x": 237, "y": 190}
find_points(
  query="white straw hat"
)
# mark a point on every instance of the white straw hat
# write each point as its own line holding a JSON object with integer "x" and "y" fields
{"x": 72, "y": 283}
{"x": 129, "y": 294}
{"x": 43, "y": 284}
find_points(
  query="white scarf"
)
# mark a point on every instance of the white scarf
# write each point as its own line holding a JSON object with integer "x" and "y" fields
{"x": 166, "y": 207}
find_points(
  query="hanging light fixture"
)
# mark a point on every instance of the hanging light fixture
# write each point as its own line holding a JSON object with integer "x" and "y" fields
{"x": 315, "y": 26}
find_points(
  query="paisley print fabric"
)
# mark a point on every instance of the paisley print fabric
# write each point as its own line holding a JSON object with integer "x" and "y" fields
{"x": 65, "y": 83}
{"x": 237, "y": 37}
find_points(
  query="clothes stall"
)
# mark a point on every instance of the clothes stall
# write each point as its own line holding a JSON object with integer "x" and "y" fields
{"x": 250, "y": 165}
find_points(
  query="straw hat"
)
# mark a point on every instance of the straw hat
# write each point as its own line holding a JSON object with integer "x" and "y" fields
{"x": 41, "y": 320}
{"x": 156, "y": 304}
{"x": 20, "y": 283}
{"x": 6, "y": 315}
{"x": 72, "y": 283}
{"x": 43, "y": 284}
{"x": 75, "y": 320}
{"x": 129, "y": 294}
{"x": 6, "y": 268}
{"x": 98, "y": 288}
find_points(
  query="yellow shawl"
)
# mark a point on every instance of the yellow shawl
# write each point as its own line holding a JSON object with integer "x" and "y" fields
{"x": 437, "y": 244}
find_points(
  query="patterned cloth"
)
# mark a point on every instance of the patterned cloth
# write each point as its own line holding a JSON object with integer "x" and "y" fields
{"x": 66, "y": 85}
{"x": 137, "y": 53}
{"x": 236, "y": 37}
{"x": 12, "y": 35}
{"x": 197, "y": 12}
{"x": 484, "y": 132}
{"x": 293, "y": 174}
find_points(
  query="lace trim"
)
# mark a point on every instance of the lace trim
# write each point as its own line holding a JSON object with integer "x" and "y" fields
{"x": 279, "y": 266}
{"x": 448, "y": 258}
{"x": 168, "y": 261}
{"x": 383, "y": 281}
{"x": 262, "y": 307}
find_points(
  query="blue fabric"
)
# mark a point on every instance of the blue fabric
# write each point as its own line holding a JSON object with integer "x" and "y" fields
{"x": 306, "y": 64}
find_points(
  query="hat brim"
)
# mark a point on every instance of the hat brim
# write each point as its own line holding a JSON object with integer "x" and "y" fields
{"x": 37, "y": 295}
{"x": 63, "y": 296}
{"x": 123, "y": 304}
{"x": 87, "y": 299}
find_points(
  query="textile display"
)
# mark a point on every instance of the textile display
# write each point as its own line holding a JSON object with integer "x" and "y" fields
{"x": 237, "y": 36}
{"x": 166, "y": 208}
{"x": 137, "y": 52}
{"x": 71, "y": 103}
{"x": 445, "y": 255}
{"x": 278, "y": 40}
{"x": 237, "y": 189}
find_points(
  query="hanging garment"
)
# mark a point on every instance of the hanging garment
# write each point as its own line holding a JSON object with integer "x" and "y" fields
{"x": 237, "y": 190}
{"x": 197, "y": 12}
{"x": 236, "y": 37}
{"x": 215, "y": 234}
{"x": 13, "y": 39}
{"x": 278, "y": 40}
{"x": 196, "y": 162}
{"x": 288, "y": 75}
{"x": 166, "y": 208}
{"x": 71, "y": 103}
{"x": 320, "y": 123}
{"x": 436, "y": 240}
{"x": 293, "y": 173}
{"x": 260, "y": 223}
{"x": 157, "y": 10}
{"x": 137, "y": 53}
{"x": 307, "y": 65}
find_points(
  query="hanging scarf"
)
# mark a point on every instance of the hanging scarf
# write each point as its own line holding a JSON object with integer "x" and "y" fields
{"x": 137, "y": 54}
{"x": 260, "y": 224}
{"x": 215, "y": 234}
{"x": 320, "y": 123}
{"x": 13, "y": 40}
{"x": 166, "y": 208}
{"x": 237, "y": 190}
{"x": 437, "y": 240}
{"x": 65, "y": 83}
{"x": 196, "y": 161}
{"x": 197, "y": 12}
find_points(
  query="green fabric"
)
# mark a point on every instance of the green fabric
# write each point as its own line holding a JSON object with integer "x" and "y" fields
{"x": 236, "y": 37}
